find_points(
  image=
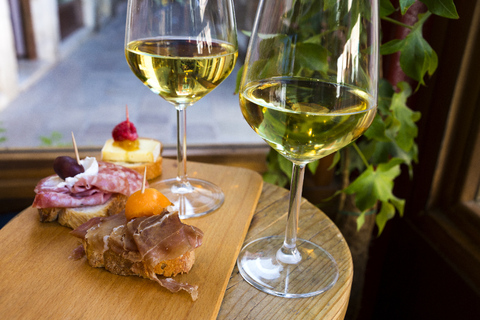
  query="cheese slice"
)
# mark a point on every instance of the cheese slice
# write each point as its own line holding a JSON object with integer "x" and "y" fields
{"x": 148, "y": 151}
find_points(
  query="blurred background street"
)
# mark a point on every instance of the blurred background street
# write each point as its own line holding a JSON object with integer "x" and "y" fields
{"x": 86, "y": 93}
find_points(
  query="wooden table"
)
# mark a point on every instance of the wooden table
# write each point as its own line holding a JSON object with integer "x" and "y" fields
{"x": 242, "y": 301}
{"x": 30, "y": 288}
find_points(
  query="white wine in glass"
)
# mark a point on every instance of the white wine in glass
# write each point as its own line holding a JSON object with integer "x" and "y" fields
{"x": 182, "y": 50}
{"x": 309, "y": 88}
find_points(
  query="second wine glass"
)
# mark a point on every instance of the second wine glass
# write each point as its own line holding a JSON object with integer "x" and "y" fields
{"x": 182, "y": 50}
{"x": 309, "y": 88}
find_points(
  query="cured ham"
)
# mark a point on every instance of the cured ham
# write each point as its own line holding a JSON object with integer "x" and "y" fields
{"x": 138, "y": 246}
{"x": 88, "y": 190}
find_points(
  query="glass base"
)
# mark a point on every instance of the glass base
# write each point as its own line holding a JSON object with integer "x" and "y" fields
{"x": 310, "y": 271}
{"x": 194, "y": 199}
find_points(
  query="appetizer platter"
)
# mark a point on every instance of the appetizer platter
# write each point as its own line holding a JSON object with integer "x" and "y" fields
{"x": 47, "y": 271}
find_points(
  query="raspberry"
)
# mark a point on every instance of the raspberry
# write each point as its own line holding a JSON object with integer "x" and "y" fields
{"x": 125, "y": 131}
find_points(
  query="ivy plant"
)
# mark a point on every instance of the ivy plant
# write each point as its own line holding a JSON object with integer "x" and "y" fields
{"x": 389, "y": 144}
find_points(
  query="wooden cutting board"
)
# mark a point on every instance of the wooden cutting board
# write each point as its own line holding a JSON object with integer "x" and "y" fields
{"x": 39, "y": 281}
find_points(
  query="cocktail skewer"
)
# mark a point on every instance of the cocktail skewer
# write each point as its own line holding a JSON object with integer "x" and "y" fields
{"x": 144, "y": 179}
{"x": 75, "y": 148}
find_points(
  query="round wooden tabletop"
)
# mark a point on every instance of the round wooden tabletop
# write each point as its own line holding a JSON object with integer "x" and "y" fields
{"x": 243, "y": 301}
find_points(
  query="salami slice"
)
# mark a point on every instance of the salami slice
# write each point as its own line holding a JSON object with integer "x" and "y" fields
{"x": 87, "y": 190}
{"x": 67, "y": 200}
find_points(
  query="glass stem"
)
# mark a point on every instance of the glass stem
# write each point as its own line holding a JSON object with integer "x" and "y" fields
{"x": 289, "y": 253}
{"x": 182, "y": 148}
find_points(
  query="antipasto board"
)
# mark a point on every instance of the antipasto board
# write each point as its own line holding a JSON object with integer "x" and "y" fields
{"x": 39, "y": 281}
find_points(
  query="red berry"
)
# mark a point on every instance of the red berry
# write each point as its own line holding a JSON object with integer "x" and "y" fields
{"x": 125, "y": 131}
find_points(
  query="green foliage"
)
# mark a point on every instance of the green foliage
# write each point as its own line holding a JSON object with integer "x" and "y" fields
{"x": 55, "y": 139}
{"x": 2, "y": 137}
{"x": 417, "y": 58}
{"x": 389, "y": 143}
{"x": 442, "y": 8}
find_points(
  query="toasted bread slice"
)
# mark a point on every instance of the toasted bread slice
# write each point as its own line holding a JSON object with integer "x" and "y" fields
{"x": 172, "y": 267}
{"x": 118, "y": 264}
{"x": 74, "y": 217}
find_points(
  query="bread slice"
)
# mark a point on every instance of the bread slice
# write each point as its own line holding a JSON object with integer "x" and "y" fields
{"x": 154, "y": 169}
{"x": 111, "y": 243}
{"x": 74, "y": 217}
{"x": 118, "y": 264}
{"x": 172, "y": 267}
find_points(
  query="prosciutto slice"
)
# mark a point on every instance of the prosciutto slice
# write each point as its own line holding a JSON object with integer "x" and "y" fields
{"x": 90, "y": 190}
{"x": 137, "y": 246}
{"x": 96, "y": 232}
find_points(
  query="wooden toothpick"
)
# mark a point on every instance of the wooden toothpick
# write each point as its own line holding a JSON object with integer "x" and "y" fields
{"x": 128, "y": 117}
{"x": 144, "y": 179}
{"x": 75, "y": 148}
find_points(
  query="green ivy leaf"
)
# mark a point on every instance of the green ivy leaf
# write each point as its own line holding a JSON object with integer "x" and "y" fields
{"x": 285, "y": 165}
{"x": 374, "y": 184}
{"x": 386, "y": 213}
{"x": 405, "y": 4}
{"x": 361, "y": 220}
{"x": 355, "y": 162}
{"x": 385, "y": 93}
{"x": 274, "y": 173}
{"x": 405, "y": 117}
{"x": 312, "y": 166}
{"x": 383, "y": 151}
{"x": 311, "y": 56}
{"x": 399, "y": 204}
{"x": 239, "y": 79}
{"x": 443, "y": 8}
{"x": 417, "y": 57}
{"x": 328, "y": 4}
{"x": 336, "y": 159}
{"x": 376, "y": 131}
{"x": 275, "y": 178}
{"x": 272, "y": 44}
{"x": 386, "y": 8}
{"x": 392, "y": 46}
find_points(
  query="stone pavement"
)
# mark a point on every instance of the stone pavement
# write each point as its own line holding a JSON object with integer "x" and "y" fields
{"x": 87, "y": 91}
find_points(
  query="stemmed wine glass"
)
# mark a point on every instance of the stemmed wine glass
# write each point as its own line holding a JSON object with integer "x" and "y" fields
{"x": 182, "y": 50}
{"x": 309, "y": 88}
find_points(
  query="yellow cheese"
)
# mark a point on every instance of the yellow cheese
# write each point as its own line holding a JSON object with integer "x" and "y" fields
{"x": 148, "y": 151}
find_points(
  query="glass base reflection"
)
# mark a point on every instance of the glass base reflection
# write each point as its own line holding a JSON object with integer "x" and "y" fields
{"x": 313, "y": 272}
{"x": 194, "y": 199}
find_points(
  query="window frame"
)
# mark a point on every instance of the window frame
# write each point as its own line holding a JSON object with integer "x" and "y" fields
{"x": 450, "y": 217}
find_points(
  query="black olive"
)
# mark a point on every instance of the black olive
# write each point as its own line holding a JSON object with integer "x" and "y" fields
{"x": 67, "y": 167}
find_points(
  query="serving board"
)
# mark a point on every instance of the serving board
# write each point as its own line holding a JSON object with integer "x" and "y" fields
{"x": 39, "y": 281}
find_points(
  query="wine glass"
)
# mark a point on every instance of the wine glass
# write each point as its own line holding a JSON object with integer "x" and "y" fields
{"x": 182, "y": 50}
{"x": 309, "y": 88}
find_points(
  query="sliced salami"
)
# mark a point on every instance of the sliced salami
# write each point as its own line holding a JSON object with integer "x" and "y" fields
{"x": 87, "y": 190}
{"x": 68, "y": 200}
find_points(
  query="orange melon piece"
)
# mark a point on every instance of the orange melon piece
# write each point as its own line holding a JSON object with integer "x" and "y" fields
{"x": 148, "y": 203}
